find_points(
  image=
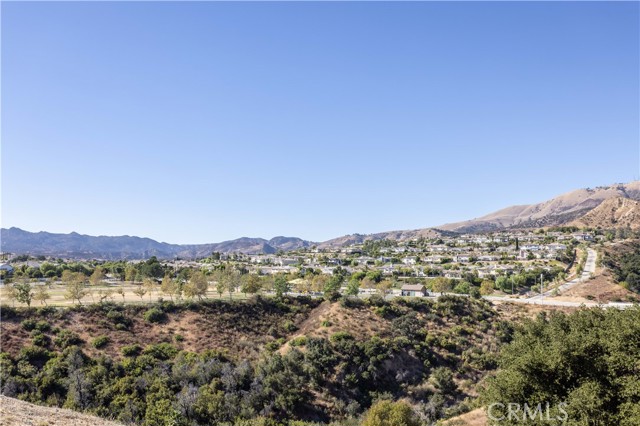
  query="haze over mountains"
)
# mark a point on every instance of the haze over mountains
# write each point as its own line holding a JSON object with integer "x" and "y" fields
{"x": 606, "y": 207}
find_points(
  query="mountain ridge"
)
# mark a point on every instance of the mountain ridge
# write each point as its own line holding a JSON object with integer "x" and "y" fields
{"x": 559, "y": 210}
{"x": 565, "y": 209}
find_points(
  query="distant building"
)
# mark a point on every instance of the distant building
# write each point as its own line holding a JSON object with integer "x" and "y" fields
{"x": 415, "y": 290}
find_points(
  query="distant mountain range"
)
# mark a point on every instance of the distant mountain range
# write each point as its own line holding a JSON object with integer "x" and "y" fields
{"x": 74, "y": 245}
{"x": 606, "y": 207}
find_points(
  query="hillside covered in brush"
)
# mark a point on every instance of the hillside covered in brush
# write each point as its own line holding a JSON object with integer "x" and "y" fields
{"x": 261, "y": 362}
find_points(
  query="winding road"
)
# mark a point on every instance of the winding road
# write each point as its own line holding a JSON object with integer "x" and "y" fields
{"x": 589, "y": 268}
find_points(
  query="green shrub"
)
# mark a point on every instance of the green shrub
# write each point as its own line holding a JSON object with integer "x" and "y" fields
{"x": 442, "y": 379}
{"x": 162, "y": 351}
{"x": 376, "y": 300}
{"x": 326, "y": 323}
{"x": 299, "y": 341}
{"x": 119, "y": 319}
{"x": 131, "y": 350}
{"x": 598, "y": 380}
{"x": 28, "y": 324}
{"x": 39, "y": 339}
{"x": 67, "y": 338}
{"x": 289, "y": 326}
{"x": 155, "y": 315}
{"x": 178, "y": 338}
{"x": 43, "y": 326}
{"x": 340, "y": 336}
{"x": 474, "y": 292}
{"x": 274, "y": 345}
{"x": 351, "y": 302}
{"x": 388, "y": 413}
{"x": 100, "y": 342}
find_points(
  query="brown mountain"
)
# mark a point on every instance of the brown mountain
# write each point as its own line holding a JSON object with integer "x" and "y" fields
{"x": 613, "y": 213}
{"x": 560, "y": 210}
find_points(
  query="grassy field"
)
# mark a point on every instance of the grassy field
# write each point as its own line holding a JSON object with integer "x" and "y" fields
{"x": 57, "y": 295}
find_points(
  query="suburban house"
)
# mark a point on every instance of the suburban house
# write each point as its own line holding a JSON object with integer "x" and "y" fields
{"x": 415, "y": 290}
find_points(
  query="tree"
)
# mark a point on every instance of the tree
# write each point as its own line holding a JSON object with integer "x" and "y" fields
{"x": 24, "y": 292}
{"x": 97, "y": 276}
{"x": 75, "y": 287}
{"x": 151, "y": 268}
{"x": 41, "y": 294}
{"x": 332, "y": 286}
{"x": 388, "y": 413}
{"x": 168, "y": 286}
{"x": 150, "y": 285}
{"x": 353, "y": 287}
{"x": 104, "y": 295}
{"x": 318, "y": 283}
{"x": 251, "y": 284}
{"x": 220, "y": 283}
{"x": 230, "y": 280}
{"x": 486, "y": 287}
{"x": 583, "y": 365}
{"x": 11, "y": 293}
{"x": 440, "y": 285}
{"x": 140, "y": 291}
{"x": 281, "y": 286}
{"x": 384, "y": 286}
{"x": 130, "y": 273}
{"x": 196, "y": 286}
{"x": 120, "y": 291}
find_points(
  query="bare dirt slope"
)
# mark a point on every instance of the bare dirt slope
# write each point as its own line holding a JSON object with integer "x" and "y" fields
{"x": 614, "y": 213}
{"x": 476, "y": 417}
{"x": 601, "y": 289}
{"x": 14, "y": 412}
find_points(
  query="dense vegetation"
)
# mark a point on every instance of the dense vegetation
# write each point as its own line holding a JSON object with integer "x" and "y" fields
{"x": 624, "y": 261}
{"x": 429, "y": 354}
{"x": 586, "y": 366}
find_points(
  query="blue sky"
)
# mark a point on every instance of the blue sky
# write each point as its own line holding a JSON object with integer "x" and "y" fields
{"x": 200, "y": 122}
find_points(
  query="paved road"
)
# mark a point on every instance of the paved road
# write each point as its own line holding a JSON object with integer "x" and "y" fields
{"x": 540, "y": 299}
{"x": 551, "y": 302}
{"x": 589, "y": 268}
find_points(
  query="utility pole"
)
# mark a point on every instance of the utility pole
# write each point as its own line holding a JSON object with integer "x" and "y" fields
{"x": 541, "y": 288}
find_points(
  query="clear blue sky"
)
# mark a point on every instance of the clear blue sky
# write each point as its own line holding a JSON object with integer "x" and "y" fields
{"x": 200, "y": 122}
